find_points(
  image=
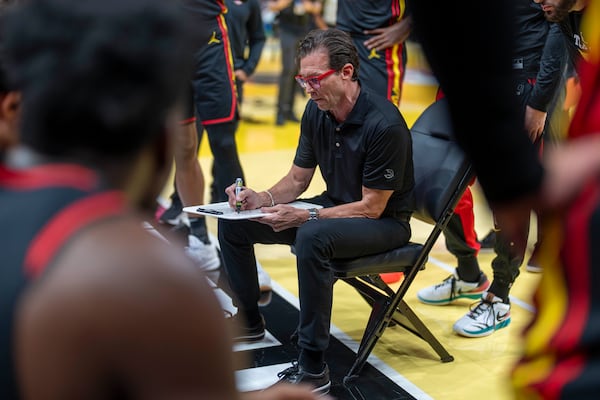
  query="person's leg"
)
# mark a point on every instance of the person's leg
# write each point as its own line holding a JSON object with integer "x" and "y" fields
{"x": 226, "y": 162}
{"x": 317, "y": 242}
{"x": 468, "y": 281}
{"x": 189, "y": 180}
{"x": 172, "y": 215}
{"x": 237, "y": 239}
{"x": 507, "y": 262}
{"x": 287, "y": 82}
{"x": 493, "y": 311}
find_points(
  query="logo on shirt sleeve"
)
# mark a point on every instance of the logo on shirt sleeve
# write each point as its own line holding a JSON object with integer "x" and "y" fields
{"x": 389, "y": 174}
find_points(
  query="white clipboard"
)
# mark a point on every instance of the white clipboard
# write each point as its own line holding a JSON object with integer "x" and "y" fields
{"x": 223, "y": 210}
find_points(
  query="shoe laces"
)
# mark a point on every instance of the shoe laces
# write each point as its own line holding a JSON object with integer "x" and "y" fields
{"x": 481, "y": 308}
{"x": 292, "y": 371}
{"x": 451, "y": 280}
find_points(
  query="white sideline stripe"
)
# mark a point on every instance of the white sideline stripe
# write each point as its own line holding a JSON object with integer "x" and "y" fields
{"x": 258, "y": 378}
{"x": 385, "y": 369}
{"x": 268, "y": 341}
{"x": 514, "y": 300}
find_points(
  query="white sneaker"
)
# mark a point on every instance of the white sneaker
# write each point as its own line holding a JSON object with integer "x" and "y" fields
{"x": 452, "y": 288}
{"x": 489, "y": 315}
{"x": 205, "y": 255}
{"x": 265, "y": 286}
{"x": 264, "y": 279}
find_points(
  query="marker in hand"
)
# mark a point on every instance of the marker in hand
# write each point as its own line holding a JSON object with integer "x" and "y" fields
{"x": 238, "y": 188}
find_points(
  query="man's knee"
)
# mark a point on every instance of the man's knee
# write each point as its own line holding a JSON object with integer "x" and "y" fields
{"x": 309, "y": 240}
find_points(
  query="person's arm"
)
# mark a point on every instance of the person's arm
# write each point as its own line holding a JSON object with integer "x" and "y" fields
{"x": 256, "y": 38}
{"x": 390, "y": 35}
{"x": 371, "y": 205}
{"x": 288, "y": 189}
{"x": 548, "y": 81}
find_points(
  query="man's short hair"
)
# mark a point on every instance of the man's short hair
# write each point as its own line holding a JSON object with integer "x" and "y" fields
{"x": 338, "y": 44}
{"x": 97, "y": 76}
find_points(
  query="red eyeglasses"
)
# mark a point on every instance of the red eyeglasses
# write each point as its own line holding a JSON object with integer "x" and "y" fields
{"x": 313, "y": 81}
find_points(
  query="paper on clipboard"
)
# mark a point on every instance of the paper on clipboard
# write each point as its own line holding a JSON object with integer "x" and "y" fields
{"x": 223, "y": 210}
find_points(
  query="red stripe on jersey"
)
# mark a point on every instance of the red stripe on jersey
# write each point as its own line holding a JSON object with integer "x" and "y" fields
{"x": 49, "y": 175}
{"x": 564, "y": 372}
{"x": 577, "y": 259}
{"x": 229, "y": 67}
{"x": 68, "y": 221}
{"x": 187, "y": 121}
{"x": 586, "y": 120}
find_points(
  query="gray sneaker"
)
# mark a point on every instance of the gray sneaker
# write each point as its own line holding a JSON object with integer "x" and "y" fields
{"x": 296, "y": 375}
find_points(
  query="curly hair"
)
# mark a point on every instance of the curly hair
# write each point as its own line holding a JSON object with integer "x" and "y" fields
{"x": 97, "y": 76}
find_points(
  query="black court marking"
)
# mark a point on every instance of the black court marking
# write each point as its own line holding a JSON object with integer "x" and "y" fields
{"x": 282, "y": 318}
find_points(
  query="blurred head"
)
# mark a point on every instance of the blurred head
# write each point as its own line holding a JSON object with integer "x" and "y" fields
{"x": 328, "y": 61}
{"x": 100, "y": 79}
{"x": 98, "y": 76}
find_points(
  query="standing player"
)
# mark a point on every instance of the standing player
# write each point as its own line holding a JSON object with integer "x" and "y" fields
{"x": 213, "y": 99}
{"x": 378, "y": 29}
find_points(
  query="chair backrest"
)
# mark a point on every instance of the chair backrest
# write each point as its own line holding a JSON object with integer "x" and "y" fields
{"x": 440, "y": 166}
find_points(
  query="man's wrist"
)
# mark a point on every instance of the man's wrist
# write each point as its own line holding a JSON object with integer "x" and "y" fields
{"x": 269, "y": 200}
{"x": 313, "y": 214}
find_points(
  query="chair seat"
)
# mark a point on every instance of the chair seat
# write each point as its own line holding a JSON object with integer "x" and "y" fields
{"x": 397, "y": 260}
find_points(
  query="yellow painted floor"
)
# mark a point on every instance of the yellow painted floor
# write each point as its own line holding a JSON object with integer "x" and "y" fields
{"x": 481, "y": 365}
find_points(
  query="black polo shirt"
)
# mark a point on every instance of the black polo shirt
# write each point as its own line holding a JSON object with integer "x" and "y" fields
{"x": 372, "y": 148}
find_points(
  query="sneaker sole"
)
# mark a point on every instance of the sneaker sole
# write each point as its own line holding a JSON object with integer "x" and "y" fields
{"x": 534, "y": 269}
{"x": 471, "y": 296}
{"x": 249, "y": 338}
{"x": 484, "y": 332}
{"x": 265, "y": 298}
{"x": 322, "y": 390}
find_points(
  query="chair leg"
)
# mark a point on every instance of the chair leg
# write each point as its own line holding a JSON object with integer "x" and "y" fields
{"x": 418, "y": 328}
{"x": 375, "y": 327}
{"x": 379, "y": 321}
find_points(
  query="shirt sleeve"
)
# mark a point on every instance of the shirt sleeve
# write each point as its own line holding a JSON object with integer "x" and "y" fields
{"x": 552, "y": 66}
{"x": 389, "y": 157}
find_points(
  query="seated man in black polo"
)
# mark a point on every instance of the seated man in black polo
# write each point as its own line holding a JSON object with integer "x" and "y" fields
{"x": 363, "y": 148}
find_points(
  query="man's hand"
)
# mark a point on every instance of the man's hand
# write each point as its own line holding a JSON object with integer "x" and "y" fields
{"x": 249, "y": 198}
{"x": 241, "y": 75}
{"x": 389, "y": 36}
{"x": 282, "y": 217}
{"x": 534, "y": 122}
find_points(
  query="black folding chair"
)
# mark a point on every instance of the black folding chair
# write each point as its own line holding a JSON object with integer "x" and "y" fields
{"x": 442, "y": 173}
